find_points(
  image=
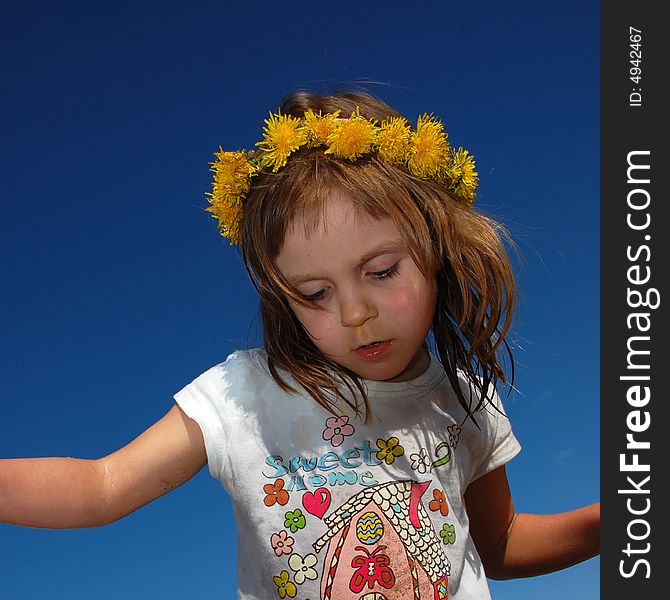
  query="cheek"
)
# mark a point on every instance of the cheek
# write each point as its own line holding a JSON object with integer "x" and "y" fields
{"x": 318, "y": 324}
{"x": 416, "y": 304}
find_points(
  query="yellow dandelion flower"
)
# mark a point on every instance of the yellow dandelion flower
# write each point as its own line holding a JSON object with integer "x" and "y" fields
{"x": 451, "y": 175}
{"x": 319, "y": 127}
{"x": 232, "y": 174}
{"x": 467, "y": 181}
{"x": 429, "y": 148}
{"x": 352, "y": 138}
{"x": 283, "y": 136}
{"x": 467, "y": 195}
{"x": 229, "y": 215}
{"x": 393, "y": 139}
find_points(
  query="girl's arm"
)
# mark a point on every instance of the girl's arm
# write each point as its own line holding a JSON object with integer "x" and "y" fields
{"x": 522, "y": 545}
{"x": 60, "y": 493}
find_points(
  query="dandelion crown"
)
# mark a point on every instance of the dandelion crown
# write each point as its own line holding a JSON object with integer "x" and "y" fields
{"x": 424, "y": 151}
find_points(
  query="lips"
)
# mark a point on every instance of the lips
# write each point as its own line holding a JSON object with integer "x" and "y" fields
{"x": 374, "y": 350}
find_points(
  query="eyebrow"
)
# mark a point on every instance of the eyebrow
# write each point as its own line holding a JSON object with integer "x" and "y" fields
{"x": 388, "y": 247}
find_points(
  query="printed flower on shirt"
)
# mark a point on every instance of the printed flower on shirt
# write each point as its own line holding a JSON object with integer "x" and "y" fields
{"x": 454, "y": 431}
{"x": 439, "y": 502}
{"x": 420, "y": 460}
{"x": 337, "y": 428}
{"x": 448, "y": 534}
{"x": 389, "y": 449}
{"x": 303, "y": 568}
{"x": 294, "y": 520}
{"x": 282, "y": 543}
{"x": 275, "y": 493}
{"x": 284, "y": 586}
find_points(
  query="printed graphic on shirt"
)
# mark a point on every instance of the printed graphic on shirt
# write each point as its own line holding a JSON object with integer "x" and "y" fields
{"x": 386, "y": 540}
{"x": 385, "y": 535}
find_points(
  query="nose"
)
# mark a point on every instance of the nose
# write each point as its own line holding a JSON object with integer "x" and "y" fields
{"x": 357, "y": 310}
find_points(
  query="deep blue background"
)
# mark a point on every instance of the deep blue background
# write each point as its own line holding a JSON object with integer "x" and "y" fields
{"x": 117, "y": 291}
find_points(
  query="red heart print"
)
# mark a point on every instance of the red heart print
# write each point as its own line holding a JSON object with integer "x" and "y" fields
{"x": 317, "y": 503}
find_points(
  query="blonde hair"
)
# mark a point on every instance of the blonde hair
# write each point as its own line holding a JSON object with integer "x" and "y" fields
{"x": 458, "y": 246}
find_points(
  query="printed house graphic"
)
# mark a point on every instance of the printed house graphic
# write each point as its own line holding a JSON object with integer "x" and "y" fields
{"x": 382, "y": 546}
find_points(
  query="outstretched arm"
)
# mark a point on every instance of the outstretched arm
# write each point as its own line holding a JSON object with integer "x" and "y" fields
{"x": 523, "y": 545}
{"x": 63, "y": 493}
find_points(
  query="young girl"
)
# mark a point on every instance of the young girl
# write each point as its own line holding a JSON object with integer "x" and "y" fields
{"x": 361, "y": 465}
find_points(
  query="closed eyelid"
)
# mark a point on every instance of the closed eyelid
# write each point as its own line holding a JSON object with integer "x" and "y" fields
{"x": 308, "y": 295}
{"x": 314, "y": 295}
{"x": 389, "y": 269}
{"x": 297, "y": 280}
{"x": 308, "y": 286}
{"x": 383, "y": 262}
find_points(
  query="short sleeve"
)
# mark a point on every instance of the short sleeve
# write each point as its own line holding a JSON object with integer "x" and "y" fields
{"x": 203, "y": 400}
{"x": 500, "y": 444}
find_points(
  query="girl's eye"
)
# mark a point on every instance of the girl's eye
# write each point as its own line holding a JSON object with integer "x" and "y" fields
{"x": 385, "y": 273}
{"x": 315, "y": 295}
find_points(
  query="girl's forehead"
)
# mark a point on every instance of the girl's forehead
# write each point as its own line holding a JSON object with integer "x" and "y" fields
{"x": 344, "y": 242}
{"x": 329, "y": 212}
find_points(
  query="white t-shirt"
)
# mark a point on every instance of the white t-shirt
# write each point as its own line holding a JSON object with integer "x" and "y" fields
{"x": 333, "y": 508}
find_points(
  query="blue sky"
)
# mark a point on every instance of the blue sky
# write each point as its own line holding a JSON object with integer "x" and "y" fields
{"x": 117, "y": 291}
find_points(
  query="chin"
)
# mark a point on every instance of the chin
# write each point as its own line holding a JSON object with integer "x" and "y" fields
{"x": 385, "y": 372}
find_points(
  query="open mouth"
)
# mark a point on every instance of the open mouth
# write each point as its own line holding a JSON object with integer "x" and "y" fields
{"x": 373, "y": 350}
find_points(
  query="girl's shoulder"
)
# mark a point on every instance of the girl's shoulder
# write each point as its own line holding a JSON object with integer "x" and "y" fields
{"x": 490, "y": 430}
{"x": 251, "y": 361}
{"x": 242, "y": 370}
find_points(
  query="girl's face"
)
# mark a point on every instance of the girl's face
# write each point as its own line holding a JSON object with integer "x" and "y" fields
{"x": 376, "y": 306}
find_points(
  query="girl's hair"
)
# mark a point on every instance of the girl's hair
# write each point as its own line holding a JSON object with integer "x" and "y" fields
{"x": 458, "y": 246}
